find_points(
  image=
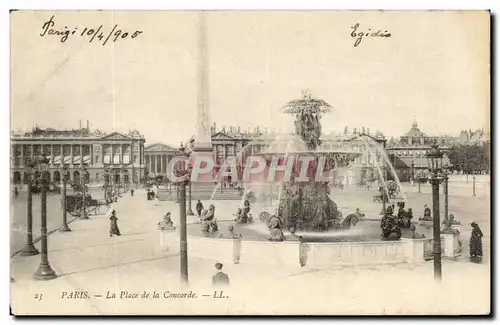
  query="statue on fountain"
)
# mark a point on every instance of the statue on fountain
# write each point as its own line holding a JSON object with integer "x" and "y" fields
{"x": 389, "y": 225}
{"x": 208, "y": 220}
{"x": 275, "y": 232}
{"x": 306, "y": 205}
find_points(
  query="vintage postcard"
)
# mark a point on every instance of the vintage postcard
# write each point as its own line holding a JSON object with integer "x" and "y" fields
{"x": 250, "y": 163}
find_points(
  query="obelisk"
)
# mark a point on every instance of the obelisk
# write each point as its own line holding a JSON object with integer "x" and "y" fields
{"x": 203, "y": 143}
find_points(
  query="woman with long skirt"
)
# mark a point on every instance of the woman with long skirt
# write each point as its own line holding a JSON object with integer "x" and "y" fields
{"x": 113, "y": 228}
{"x": 476, "y": 243}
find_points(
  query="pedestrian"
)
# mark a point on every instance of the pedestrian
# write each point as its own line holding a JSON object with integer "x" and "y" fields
{"x": 199, "y": 208}
{"x": 113, "y": 228}
{"x": 16, "y": 191}
{"x": 131, "y": 192}
{"x": 220, "y": 278}
{"x": 476, "y": 243}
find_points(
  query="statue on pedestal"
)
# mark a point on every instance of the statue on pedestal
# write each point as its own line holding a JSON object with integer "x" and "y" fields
{"x": 166, "y": 223}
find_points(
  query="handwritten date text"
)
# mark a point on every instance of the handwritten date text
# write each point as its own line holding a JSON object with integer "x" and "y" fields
{"x": 97, "y": 34}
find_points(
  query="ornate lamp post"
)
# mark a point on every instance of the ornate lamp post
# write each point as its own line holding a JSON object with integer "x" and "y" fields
{"x": 182, "y": 172}
{"x": 106, "y": 184}
{"x": 29, "y": 249}
{"x": 190, "y": 169}
{"x": 412, "y": 172}
{"x": 84, "y": 215}
{"x": 44, "y": 271}
{"x": 65, "y": 176}
{"x": 445, "y": 190}
{"x": 435, "y": 160}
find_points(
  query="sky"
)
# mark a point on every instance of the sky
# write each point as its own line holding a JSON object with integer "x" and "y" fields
{"x": 434, "y": 68}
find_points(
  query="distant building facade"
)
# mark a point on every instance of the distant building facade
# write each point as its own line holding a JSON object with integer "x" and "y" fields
{"x": 121, "y": 156}
{"x": 408, "y": 153}
{"x": 239, "y": 144}
{"x": 157, "y": 158}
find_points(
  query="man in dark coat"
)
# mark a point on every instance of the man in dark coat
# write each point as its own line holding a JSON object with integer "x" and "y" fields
{"x": 220, "y": 278}
{"x": 199, "y": 208}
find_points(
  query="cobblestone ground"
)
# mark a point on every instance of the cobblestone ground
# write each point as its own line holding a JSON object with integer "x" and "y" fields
{"x": 87, "y": 259}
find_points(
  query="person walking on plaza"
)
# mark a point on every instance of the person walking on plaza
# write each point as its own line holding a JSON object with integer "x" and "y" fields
{"x": 113, "y": 228}
{"x": 476, "y": 243}
{"x": 16, "y": 191}
{"x": 131, "y": 192}
{"x": 199, "y": 208}
{"x": 220, "y": 278}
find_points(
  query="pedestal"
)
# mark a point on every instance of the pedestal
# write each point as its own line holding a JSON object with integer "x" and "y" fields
{"x": 205, "y": 153}
{"x": 414, "y": 250}
{"x": 449, "y": 246}
{"x": 236, "y": 250}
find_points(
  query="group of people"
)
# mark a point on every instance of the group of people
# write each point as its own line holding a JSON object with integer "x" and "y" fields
{"x": 150, "y": 194}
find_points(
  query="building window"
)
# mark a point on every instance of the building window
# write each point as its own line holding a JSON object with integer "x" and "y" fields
{"x": 135, "y": 159}
{"x": 96, "y": 159}
{"x": 229, "y": 151}
{"x": 97, "y": 176}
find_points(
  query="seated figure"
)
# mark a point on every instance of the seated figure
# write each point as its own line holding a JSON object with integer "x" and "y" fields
{"x": 452, "y": 220}
{"x": 415, "y": 234}
{"x": 166, "y": 223}
{"x": 276, "y": 234}
{"x": 359, "y": 214}
{"x": 427, "y": 214}
{"x": 390, "y": 228}
{"x": 238, "y": 215}
{"x": 447, "y": 226}
{"x": 208, "y": 221}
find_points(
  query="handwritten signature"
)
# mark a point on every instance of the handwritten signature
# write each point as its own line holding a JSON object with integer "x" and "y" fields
{"x": 98, "y": 34}
{"x": 359, "y": 36}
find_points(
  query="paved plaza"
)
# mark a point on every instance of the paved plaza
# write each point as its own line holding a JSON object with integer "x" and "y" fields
{"x": 54, "y": 215}
{"x": 87, "y": 259}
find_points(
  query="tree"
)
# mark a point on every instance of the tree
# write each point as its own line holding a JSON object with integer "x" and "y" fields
{"x": 470, "y": 158}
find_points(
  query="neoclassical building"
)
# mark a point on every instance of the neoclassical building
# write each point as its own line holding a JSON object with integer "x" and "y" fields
{"x": 408, "y": 153}
{"x": 117, "y": 154}
{"x": 157, "y": 156}
{"x": 371, "y": 162}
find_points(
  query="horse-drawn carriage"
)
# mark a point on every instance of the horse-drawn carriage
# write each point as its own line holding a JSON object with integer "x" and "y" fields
{"x": 74, "y": 205}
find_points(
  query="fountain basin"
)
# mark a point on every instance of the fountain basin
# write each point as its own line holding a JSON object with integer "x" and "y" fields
{"x": 315, "y": 250}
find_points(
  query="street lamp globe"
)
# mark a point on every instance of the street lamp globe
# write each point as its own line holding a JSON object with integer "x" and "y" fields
{"x": 434, "y": 158}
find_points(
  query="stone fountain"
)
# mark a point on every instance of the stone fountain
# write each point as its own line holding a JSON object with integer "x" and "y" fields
{"x": 305, "y": 205}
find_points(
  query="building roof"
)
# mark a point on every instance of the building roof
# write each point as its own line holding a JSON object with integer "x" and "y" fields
{"x": 160, "y": 147}
{"x": 414, "y": 131}
{"x": 76, "y": 133}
